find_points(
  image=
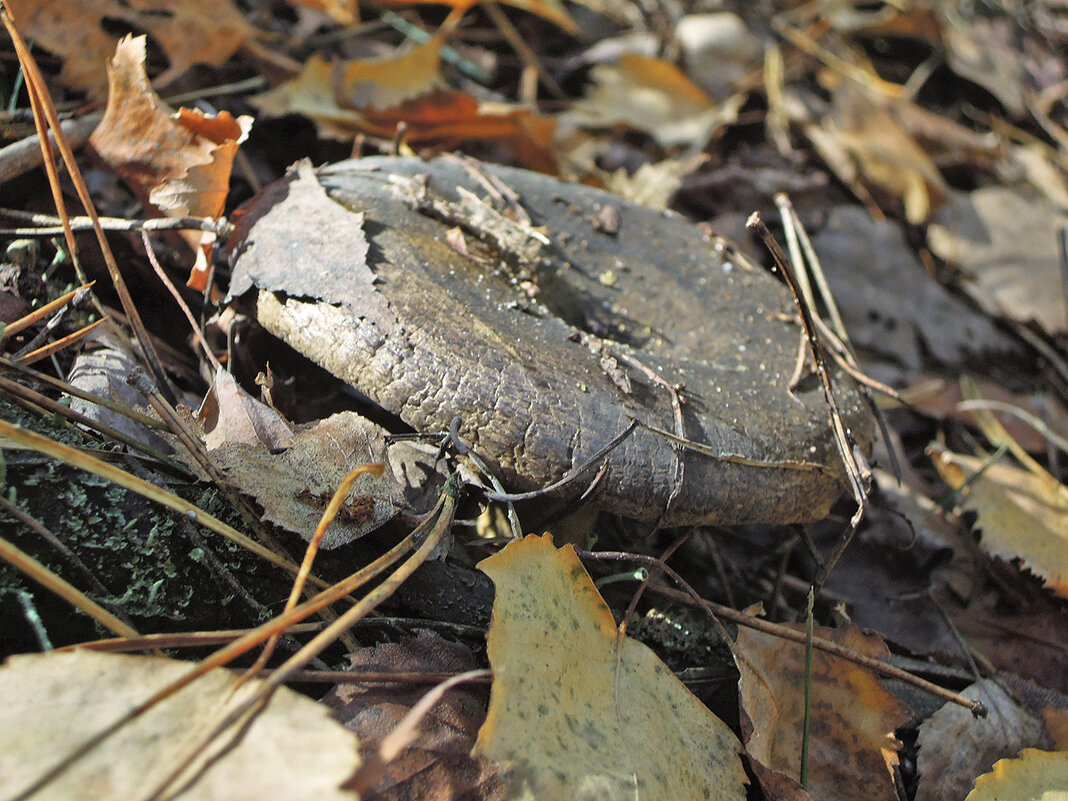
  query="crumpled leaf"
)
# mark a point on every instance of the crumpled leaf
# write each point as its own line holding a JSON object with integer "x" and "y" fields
{"x": 179, "y": 162}
{"x": 55, "y": 702}
{"x": 1035, "y": 776}
{"x": 576, "y": 710}
{"x": 1023, "y": 515}
{"x": 230, "y": 414}
{"x": 438, "y": 766}
{"x": 955, "y": 747}
{"x": 294, "y": 486}
{"x": 189, "y": 31}
{"x": 654, "y": 96}
{"x": 852, "y": 750}
{"x": 1004, "y": 240}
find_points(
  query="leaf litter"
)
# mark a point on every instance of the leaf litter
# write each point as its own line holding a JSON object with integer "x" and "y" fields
{"x": 906, "y": 154}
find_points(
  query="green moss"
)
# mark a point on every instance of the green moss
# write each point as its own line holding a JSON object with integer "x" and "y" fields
{"x": 142, "y": 553}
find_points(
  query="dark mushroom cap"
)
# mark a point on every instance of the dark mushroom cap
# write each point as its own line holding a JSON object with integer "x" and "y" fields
{"x": 533, "y": 345}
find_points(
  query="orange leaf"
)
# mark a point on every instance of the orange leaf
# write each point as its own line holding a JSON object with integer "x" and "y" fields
{"x": 375, "y": 96}
{"x": 552, "y": 10}
{"x": 852, "y": 750}
{"x": 179, "y": 163}
{"x": 386, "y": 82}
{"x": 446, "y": 117}
{"x": 189, "y": 31}
{"x": 344, "y": 12}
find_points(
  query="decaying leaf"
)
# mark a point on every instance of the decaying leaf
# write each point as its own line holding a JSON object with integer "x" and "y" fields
{"x": 853, "y": 749}
{"x": 189, "y": 31}
{"x": 430, "y": 334}
{"x": 178, "y": 162}
{"x": 337, "y": 274}
{"x": 1034, "y": 776}
{"x": 955, "y": 746}
{"x": 55, "y": 702}
{"x": 102, "y": 369}
{"x": 1023, "y": 515}
{"x": 229, "y": 414}
{"x": 1004, "y": 240}
{"x": 295, "y": 486}
{"x": 438, "y": 766}
{"x": 890, "y": 304}
{"x": 579, "y": 711}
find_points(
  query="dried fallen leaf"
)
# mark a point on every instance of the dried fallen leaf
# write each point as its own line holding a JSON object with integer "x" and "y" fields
{"x": 343, "y": 12}
{"x": 853, "y": 751}
{"x": 179, "y": 162}
{"x": 1023, "y": 515}
{"x": 381, "y": 83}
{"x": 284, "y": 232}
{"x": 295, "y": 486}
{"x": 955, "y": 747}
{"x": 940, "y": 398}
{"x": 654, "y": 96}
{"x": 1004, "y": 239}
{"x": 53, "y": 703}
{"x": 1035, "y": 776}
{"x": 189, "y": 31}
{"x": 552, "y": 10}
{"x": 578, "y": 711}
{"x": 863, "y": 138}
{"x": 375, "y": 96}
{"x": 438, "y": 766}
{"x": 890, "y": 304}
{"x": 229, "y": 414}
{"x": 102, "y": 369}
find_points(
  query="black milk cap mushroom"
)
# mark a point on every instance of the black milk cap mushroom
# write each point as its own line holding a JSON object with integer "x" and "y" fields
{"x": 547, "y": 316}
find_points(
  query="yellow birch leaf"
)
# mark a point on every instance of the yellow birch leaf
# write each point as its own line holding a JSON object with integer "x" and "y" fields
{"x": 578, "y": 712}
{"x": 1035, "y": 776}
{"x": 1022, "y": 515}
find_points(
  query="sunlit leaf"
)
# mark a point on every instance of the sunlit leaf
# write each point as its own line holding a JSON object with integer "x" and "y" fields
{"x": 578, "y": 711}
{"x": 53, "y": 703}
{"x": 189, "y": 31}
{"x": 1035, "y": 776}
{"x": 651, "y": 95}
{"x": 179, "y": 162}
{"x": 1022, "y": 514}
